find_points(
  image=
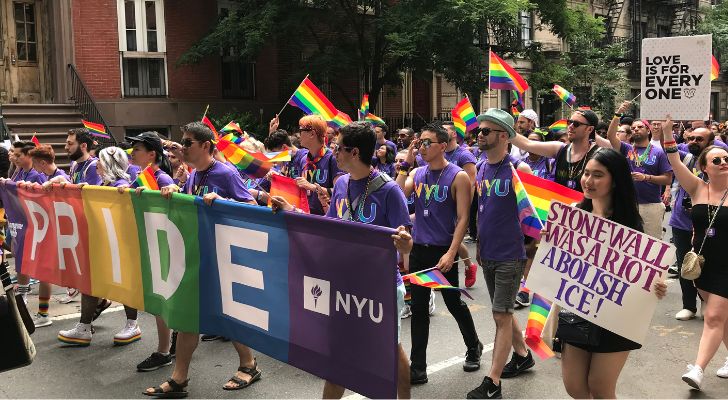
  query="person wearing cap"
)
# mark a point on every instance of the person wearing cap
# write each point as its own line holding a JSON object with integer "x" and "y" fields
{"x": 442, "y": 203}
{"x": 500, "y": 251}
{"x": 570, "y": 158}
{"x": 526, "y": 123}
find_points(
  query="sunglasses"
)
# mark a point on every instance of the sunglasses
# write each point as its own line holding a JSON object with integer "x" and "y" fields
{"x": 697, "y": 139}
{"x": 337, "y": 147}
{"x": 305, "y": 128}
{"x": 426, "y": 143}
{"x": 719, "y": 160}
{"x": 575, "y": 123}
{"x": 487, "y": 131}
{"x": 188, "y": 142}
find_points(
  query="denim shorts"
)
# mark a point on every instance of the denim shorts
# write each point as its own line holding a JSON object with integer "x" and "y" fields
{"x": 400, "y": 306}
{"x": 503, "y": 279}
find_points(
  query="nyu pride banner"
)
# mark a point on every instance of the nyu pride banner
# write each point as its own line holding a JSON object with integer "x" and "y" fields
{"x": 600, "y": 270}
{"x": 312, "y": 292}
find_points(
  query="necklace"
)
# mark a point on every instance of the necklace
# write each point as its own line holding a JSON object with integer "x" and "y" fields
{"x": 203, "y": 180}
{"x": 360, "y": 206}
{"x": 637, "y": 158}
{"x": 574, "y": 169}
{"x": 428, "y": 201}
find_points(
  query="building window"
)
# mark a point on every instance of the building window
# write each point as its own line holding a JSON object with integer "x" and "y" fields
{"x": 25, "y": 37}
{"x": 526, "y": 27}
{"x": 238, "y": 77}
{"x": 142, "y": 46}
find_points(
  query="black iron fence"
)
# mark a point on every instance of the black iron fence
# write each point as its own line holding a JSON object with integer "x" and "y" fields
{"x": 87, "y": 106}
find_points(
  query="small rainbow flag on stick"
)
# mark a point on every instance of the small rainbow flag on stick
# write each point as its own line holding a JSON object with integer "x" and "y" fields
{"x": 364, "y": 108}
{"x": 288, "y": 189}
{"x": 374, "y": 119}
{"x": 433, "y": 279}
{"x": 209, "y": 124}
{"x": 541, "y": 192}
{"x": 243, "y": 160}
{"x": 98, "y": 130}
{"x": 311, "y": 100}
{"x": 565, "y": 96}
{"x": 559, "y": 125}
{"x": 147, "y": 179}
{"x": 232, "y": 127}
{"x": 464, "y": 118}
{"x": 714, "y": 69}
{"x": 514, "y": 110}
{"x": 540, "y": 308}
{"x": 531, "y": 224}
{"x": 503, "y": 77}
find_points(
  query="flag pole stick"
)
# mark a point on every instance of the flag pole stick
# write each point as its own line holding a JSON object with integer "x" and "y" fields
{"x": 205, "y": 114}
{"x": 636, "y": 97}
{"x": 289, "y": 99}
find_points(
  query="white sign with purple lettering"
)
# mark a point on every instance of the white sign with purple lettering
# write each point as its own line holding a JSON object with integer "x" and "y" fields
{"x": 602, "y": 271}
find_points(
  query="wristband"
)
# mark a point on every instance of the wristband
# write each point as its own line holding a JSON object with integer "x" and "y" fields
{"x": 618, "y": 115}
{"x": 402, "y": 172}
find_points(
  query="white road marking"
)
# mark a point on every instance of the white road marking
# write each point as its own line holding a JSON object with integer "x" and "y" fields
{"x": 78, "y": 314}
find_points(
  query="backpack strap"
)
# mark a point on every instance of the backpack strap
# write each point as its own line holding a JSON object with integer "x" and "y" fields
{"x": 376, "y": 184}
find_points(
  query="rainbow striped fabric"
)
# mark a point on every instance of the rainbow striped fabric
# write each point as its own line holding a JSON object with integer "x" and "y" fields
{"x": 565, "y": 96}
{"x": 232, "y": 127}
{"x": 518, "y": 97}
{"x": 514, "y": 111}
{"x": 364, "y": 108}
{"x": 374, "y": 119}
{"x": 531, "y": 224}
{"x": 288, "y": 189}
{"x": 279, "y": 156}
{"x": 714, "y": 69}
{"x": 559, "y": 125}
{"x": 243, "y": 160}
{"x": 147, "y": 179}
{"x": 209, "y": 124}
{"x": 340, "y": 120}
{"x": 98, "y": 130}
{"x": 540, "y": 193}
{"x": 464, "y": 118}
{"x": 503, "y": 77}
{"x": 311, "y": 100}
{"x": 232, "y": 138}
{"x": 540, "y": 308}
{"x": 433, "y": 279}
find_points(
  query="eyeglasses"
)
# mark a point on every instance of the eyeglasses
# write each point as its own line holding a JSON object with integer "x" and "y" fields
{"x": 697, "y": 139}
{"x": 426, "y": 143}
{"x": 719, "y": 160}
{"x": 188, "y": 142}
{"x": 575, "y": 123}
{"x": 305, "y": 128}
{"x": 487, "y": 131}
{"x": 337, "y": 147}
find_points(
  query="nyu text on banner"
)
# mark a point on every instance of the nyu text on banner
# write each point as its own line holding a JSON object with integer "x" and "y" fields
{"x": 280, "y": 283}
{"x": 600, "y": 270}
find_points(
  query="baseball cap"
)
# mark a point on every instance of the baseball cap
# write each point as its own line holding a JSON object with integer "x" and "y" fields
{"x": 530, "y": 115}
{"x": 149, "y": 138}
{"x": 590, "y": 116}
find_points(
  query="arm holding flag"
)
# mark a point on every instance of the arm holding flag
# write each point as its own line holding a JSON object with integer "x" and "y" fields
{"x": 614, "y": 126}
{"x": 546, "y": 149}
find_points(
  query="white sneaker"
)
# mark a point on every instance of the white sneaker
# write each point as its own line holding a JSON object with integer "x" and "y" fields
{"x": 129, "y": 334}
{"x": 80, "y": 335}
{"x": 723, "y": 371}
{"x": 41, "y": 320}
{"x": 406, "y": 312}
{"x": 71, "y": 295}
{"x": 694, "y": 376}
{"x": 432, "y": 302}
{"x": 684, "y": 315}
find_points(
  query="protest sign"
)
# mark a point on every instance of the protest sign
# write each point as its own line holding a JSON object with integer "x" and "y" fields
{"x": 600, "y": 270}
{"x": 676, "y": 77}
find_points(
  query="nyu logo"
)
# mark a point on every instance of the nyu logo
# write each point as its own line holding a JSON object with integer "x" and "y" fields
{"x": 317, "y": 298}
{"x": 341, "y": 208}
{"x": 499, "y": 187}
{"x": 318, "y": 176}
{"x": 439, "y": 193}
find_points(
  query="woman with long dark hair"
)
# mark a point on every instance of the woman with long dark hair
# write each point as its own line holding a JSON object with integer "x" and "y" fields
{"x": 592, "y": 371}
{"x": 384, "y": 160}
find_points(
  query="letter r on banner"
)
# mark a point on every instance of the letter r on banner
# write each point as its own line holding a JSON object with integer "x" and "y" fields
{"x": 155, "y": 222}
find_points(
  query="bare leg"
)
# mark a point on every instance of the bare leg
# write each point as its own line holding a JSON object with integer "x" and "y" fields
{"x": 334, "y": 391}
{"x": 604, "y": 372}
{"x": 715, "y": 316}
{"x": 519, "y": 343}
{"x": 246, "y": 360}
{"x": 503, "y": 344}
{"x": 575, "y": 364}
{"x": 186, "y": 345}
{"x": 164, "y": 336}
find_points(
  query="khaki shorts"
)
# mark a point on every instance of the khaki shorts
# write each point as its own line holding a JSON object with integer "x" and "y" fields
{"x": 652, "y": 215}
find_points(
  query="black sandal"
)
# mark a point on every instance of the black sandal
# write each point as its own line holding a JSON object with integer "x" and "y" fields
{"x": 176, "y": 390}
{"x": 101, "y": 307}
{"x": 254, "y": 373}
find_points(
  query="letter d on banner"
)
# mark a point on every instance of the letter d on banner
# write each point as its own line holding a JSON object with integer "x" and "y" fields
{"x": 154, "y": 223}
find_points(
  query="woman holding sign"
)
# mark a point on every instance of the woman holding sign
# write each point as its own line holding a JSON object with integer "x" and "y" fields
{"x": 591, "y": 367}
{"x": 710, "y": 231}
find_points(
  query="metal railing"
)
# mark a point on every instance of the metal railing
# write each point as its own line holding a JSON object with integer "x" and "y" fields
{"x": 87, "y": 106}
{"x": 4, "y": 130}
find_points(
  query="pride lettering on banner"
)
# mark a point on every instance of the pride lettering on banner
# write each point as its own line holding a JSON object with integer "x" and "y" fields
{"x": 600, "y": 270}
{"x": 280, "y": 283}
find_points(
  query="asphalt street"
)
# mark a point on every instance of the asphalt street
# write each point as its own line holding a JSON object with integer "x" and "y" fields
{"x": 105, "y": 371}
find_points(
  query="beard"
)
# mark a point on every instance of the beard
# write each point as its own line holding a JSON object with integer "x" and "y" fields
{"x": 76, "y": 154}
{"x": 695, "y": 149}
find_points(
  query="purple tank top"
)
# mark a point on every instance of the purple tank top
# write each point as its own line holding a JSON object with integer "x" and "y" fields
{"x": 435, "y": 207}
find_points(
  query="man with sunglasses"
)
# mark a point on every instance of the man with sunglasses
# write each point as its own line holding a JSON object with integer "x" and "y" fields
{"x": 442, "y": 203}
{"x": 210, "y": 180}
{"x": 572, "y": 158}
{"x": 501, "y": 250}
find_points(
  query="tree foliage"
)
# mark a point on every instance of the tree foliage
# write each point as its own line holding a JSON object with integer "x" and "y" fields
{"x": 715, "y": 22}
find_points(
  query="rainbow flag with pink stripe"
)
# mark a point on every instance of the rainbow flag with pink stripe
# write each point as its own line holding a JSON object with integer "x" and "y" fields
{"x": 503, "y": 77}
{"x": 565, "y": 96}
{"x": 464, "y": 118}
{"x": 433, "y": 279}
{"x": 98, "y": 130}
{"x": 531, "y": 224}
{"x": 340, "y": 120}
{"x": 311, "y": 100}
{"x": 540, "y": 308}
{"x": 243, "y": 160}
{"x": 559, "y": 125}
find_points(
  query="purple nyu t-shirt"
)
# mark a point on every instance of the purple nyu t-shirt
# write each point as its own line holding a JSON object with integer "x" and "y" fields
{"x": 323, "y": 173}
{"x": 460, "y": 157}
{"x": 680, "y": 218}
{"x": 500, "y": 237}
{"x": 162, "y": 179}
{"x": 542, "y": 168}
{"x": 220, "y": 179}
{"x": 654, "y": 163}
{"x": 385, "y": 207}
{"x": 30, "y": 175}
{"x": 435, "y": 207}
{"x": 59, "y": 172}
{"x": 85, "y": 172}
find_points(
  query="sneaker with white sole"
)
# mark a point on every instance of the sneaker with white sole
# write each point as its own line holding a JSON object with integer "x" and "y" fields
{"x": 41, "y": 320}
{"x": 684, "y": 315}
{"x": 129, "y": 334}
{"x": 80, "y": 335}
{"x": 694, "y": 376}
{"x": 406, "y": 312}
{"x": 431, "y": 309}
{"x": 71, "y": 295}
{"x": 723, "y": 371}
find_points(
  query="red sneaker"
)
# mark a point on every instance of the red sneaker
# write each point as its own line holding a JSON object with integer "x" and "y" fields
{"x": 471, "y": 273}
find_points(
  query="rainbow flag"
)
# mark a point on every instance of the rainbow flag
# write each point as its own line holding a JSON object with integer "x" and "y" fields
{"x": 209, "y": 124}
{"x": 464, "y": 117}
{"x": 531, "y": 224}
{"x": 433, "y": 279}
{"x": 503, "y": 77}
{"x": 714, "y": 69}
{"x": 540, "y": 308}
{"x": 565, "y": 96}
{"x": 559, "y": 125}
{"x": 514, "y": 111}
{"x": 243, "y": 160}
{"x": 279, "y": 156}
{"x": 230, "y": 137}
{"x": 232, "y": 127}
{"x": 518, "y": 97}
{"x": 340, "y": 120}
{"x": 311, "y": 100}
{"x": 374, "y": 119}
{"x": 35, "y": 141}
{"x": 98, "y": 130}
{"x": 147, "y": 179}
{"x": 364, "y": 108}
{"x": 541, "y": 192}
{"x": 288, "y": 189}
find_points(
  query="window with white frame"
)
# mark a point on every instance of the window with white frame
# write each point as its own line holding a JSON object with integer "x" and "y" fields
{"x": 526, "y": 22}
{"x": 142, "y": 45}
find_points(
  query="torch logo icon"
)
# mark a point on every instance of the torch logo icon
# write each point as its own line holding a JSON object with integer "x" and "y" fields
{"x": 316, "y": 292}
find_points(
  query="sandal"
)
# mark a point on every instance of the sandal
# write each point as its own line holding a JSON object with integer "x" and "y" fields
{"x": 176, "y": 390}
{"x": 101, "y": 307}
{"x": 254, "y": 373}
